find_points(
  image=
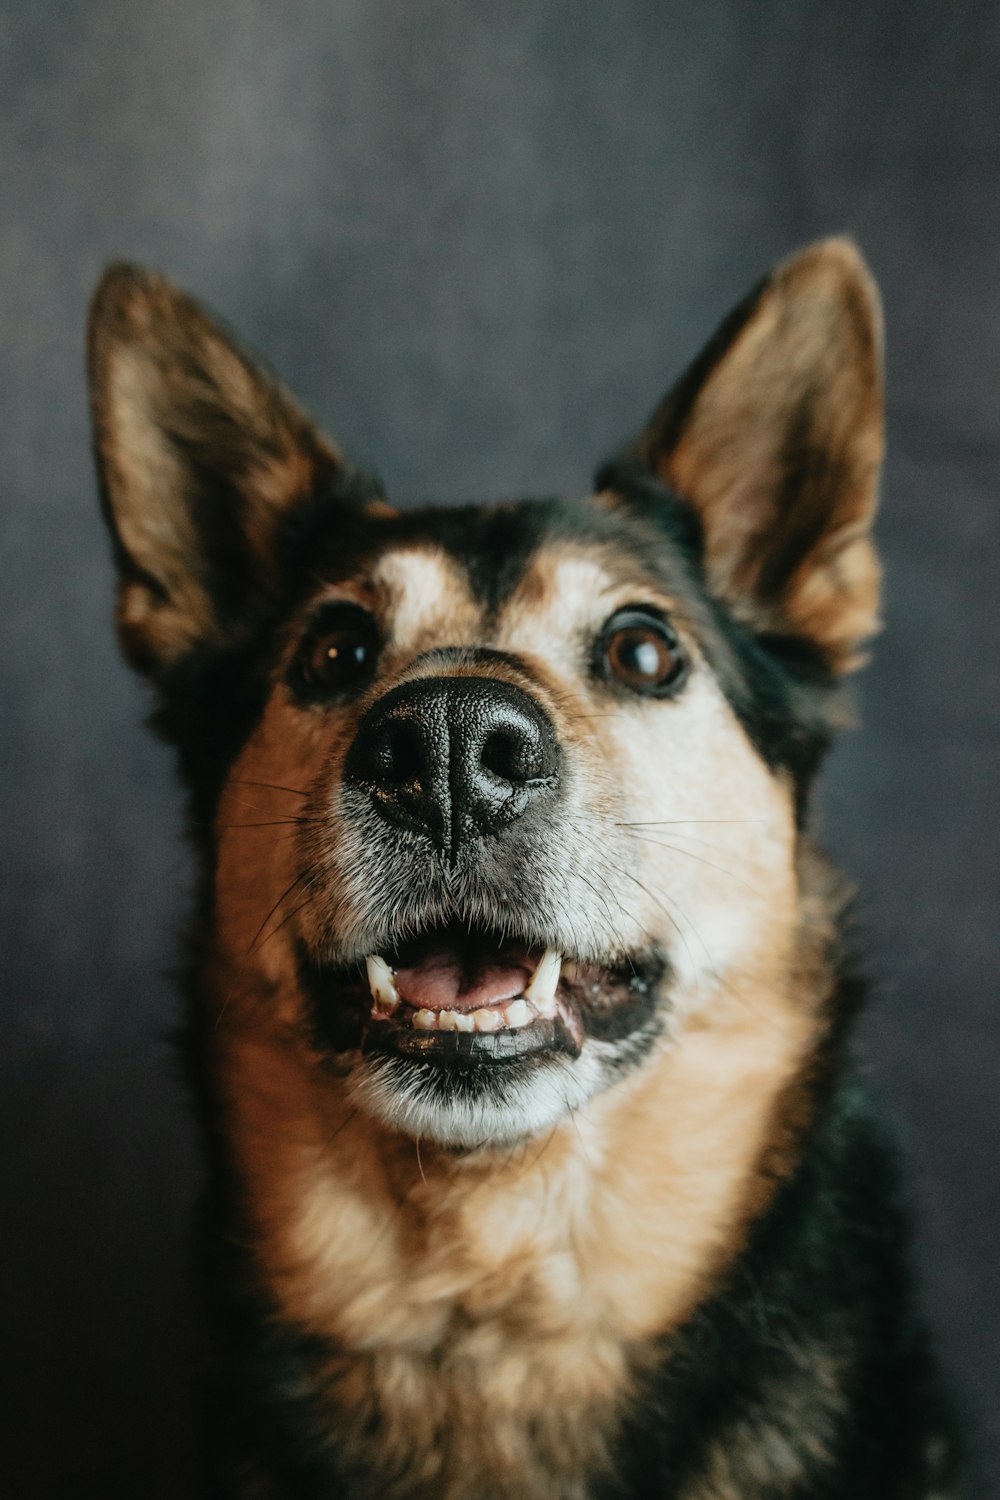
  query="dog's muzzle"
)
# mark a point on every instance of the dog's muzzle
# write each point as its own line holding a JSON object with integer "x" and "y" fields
{"x": 456, "y": 759}
{"x": 474, "y": 959}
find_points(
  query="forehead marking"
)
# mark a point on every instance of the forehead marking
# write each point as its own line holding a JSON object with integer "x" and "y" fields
{"x": 427, "y": 599}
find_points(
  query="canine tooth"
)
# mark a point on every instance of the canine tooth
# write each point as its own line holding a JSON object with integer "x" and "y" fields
{"x": 542, "y": 989}
{"x": 518, "y": 1013}
{"x": 570, "y": 969}
{"x": 380, "y": 982}
{"x": 487, "y": 1020}
{"x": 425, "y": 1020}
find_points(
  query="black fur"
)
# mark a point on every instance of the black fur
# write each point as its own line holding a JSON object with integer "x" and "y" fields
{"x": 825, "y": 1273}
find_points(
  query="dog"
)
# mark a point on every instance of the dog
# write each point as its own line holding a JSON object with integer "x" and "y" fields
{"x": 520, "y": 998}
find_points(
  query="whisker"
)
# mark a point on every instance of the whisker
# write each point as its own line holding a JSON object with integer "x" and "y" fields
{"x": 257, "y": 939}
{"x": 351, "y": 1115}
{"x": 281, "y": 838}
{"x": 615, "y": 896}
{"x": 599, "y": 942}
{"x": 284, "y": 896}
{"x": 272, "y": 786}
{"x": 687, "y": 822}
{"x": 273, "y": 823}
{"x": 579, "y": 1135}
{"x": 246, "y": 957}
{"x": 659, "y": 897}
{"x": 691, "y": 838}
{"x": 610, "y": 916}
{"x": 294, "y": 912}
{"x": 543, "y": 1148}
{"x": 660, "y": 844}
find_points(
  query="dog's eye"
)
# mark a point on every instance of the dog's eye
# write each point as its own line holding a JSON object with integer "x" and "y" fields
{"x": 340, "y": 653}
{"x": 641, "y": 651}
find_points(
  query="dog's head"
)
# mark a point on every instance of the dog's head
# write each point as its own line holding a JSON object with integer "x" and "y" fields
{"x": 499, "y": 794}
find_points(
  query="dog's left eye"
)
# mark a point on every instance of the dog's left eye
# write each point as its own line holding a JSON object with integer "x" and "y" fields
{"x": 642, "y": 652}
{"x": 340, "y": 653}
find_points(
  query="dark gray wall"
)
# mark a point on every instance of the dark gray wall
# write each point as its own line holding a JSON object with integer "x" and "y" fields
{"x": 479, "y": 239}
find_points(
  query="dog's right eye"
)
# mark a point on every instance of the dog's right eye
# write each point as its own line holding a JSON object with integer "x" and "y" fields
{"x": 339, "y": 654}
{"x": 640, "y": 650}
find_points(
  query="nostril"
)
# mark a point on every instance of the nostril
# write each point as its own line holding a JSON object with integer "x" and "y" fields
{"x": 398, "y": 755}
{"x": 510, "y": 755}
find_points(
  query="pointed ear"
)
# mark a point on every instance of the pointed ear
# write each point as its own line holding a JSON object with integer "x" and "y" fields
{"x": 201, "y": 457}
{"x": 775, "y": 437}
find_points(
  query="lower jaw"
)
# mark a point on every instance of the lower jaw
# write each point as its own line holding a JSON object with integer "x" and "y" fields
{"x": 470, "y": 1092}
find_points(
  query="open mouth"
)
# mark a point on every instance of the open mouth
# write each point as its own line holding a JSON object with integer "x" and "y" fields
{"x": 457, "y": 992}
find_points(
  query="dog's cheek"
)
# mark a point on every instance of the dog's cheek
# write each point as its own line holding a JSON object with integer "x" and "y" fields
{"x": 260, "y": 881}
{"x": 711, "y": 834}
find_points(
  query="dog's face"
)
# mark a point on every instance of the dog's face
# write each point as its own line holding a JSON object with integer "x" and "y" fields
{"x": 500, "y": 796}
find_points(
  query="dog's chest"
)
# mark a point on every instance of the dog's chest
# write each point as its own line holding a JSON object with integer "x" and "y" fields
{"x": 477, "y": 1351}
{"x": 484, "y": 1328}
{"x": 491, "y": 1409}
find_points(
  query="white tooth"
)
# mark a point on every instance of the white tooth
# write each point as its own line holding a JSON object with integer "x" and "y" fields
{"x": 448, "y": 1020}
{"x": 518, "y": 1013}
{"x": 380, "y": 982}
{"x": 462, "y": 1021}
{"x": 487, "y": 1020}
{"x": 425, "y": 1020}
{"x": 542, "y": 989}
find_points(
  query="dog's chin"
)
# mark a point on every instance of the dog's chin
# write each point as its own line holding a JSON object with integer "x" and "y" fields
{"x": 485, "y": 1105}
{"x": 471, "y": 1038}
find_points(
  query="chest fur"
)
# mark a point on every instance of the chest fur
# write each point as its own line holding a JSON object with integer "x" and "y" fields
{"x": 484, "y": 1321}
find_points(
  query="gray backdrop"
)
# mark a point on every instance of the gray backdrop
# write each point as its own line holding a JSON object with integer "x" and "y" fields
{"x": 479, "y": 240}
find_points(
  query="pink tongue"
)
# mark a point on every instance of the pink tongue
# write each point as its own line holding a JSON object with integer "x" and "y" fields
{"x": 439, "y": 983}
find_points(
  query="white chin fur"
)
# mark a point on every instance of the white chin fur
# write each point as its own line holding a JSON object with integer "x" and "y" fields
{"x": 395, "y": 1094}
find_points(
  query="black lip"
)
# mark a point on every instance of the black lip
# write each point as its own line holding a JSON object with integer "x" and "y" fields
{"x": 542, "y": 1036}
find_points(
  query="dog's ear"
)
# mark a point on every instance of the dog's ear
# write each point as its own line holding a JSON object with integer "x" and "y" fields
{"x": 202, "y": 457}
{"x": 775, "y": 436}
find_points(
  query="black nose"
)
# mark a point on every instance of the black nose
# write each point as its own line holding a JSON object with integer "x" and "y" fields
{"x": 456, "y": 758}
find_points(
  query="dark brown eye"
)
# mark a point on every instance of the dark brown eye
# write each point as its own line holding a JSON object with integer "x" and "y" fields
{"x": 641, "y": 651}
{"x": 340, "y": 653}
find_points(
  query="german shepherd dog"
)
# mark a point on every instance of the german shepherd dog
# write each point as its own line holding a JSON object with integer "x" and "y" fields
{"x": 519, "y": 1002}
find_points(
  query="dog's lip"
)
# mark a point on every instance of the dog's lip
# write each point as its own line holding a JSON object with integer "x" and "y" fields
{"x": 545, "y": 1036}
